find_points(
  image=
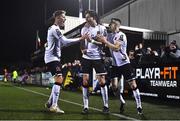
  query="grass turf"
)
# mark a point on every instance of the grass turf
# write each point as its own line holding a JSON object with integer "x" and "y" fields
{"x": 27, "y": 103}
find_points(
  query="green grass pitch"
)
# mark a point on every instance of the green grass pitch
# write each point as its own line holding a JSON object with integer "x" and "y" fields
{"x": 27, "y": 103}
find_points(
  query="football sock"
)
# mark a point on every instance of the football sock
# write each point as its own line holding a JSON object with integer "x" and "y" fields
{"x": 104, "y": 93}
{"x": 51, "y": 96}
{"x": 56, "y": 91}
{"x": 121, "y": 98}
{"x": 85, "y": 97}
{"x": 137, "y": 97}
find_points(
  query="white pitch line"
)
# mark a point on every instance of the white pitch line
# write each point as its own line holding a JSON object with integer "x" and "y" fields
{"x": 74, "y": 103}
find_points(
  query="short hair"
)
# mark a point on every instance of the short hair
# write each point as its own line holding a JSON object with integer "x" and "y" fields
{"x": 93, "y": 14}
{"x": 51, "y": 20}
{"x": 58, "y": 12}
{"x": 173, "y": 42}
{"x": 116, "y": 19}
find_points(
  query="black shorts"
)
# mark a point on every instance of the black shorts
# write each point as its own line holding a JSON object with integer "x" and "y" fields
{"x": 55, "y": 68}
{"x": 88, "y": 65}
{"x": 125, "y": 70}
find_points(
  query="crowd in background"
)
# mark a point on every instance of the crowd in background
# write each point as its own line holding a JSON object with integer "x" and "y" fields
{"x": 164, "y": 54}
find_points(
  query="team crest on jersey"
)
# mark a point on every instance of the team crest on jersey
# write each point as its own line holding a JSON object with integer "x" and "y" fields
{"x": 105, "y": 33}
{"x": 121, "y": 37}
{"x": 58, "y": 32}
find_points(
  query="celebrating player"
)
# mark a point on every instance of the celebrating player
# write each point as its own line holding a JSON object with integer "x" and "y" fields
{"x": 117, "y": 42}
{"x": 53, "y": 56}
{"x": 92, "y": 58}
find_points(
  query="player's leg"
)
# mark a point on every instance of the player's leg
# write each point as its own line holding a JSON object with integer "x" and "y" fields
{"x": 101, "y": 72}
{"x": 104, "y": 93}
{"x": 85, "y": 84}
{"x": 136, "y": 94}
{"x": 55, "y": 68}
{"x": 85, "y": 91}
{"x": 50, "y": 100}
{"x": 56, "y": 91}
{"x": 121, "y": 91}
{"x": 130, "y": 77}
{"x": 114, "y": 83}
{"x": 116, "y": 73}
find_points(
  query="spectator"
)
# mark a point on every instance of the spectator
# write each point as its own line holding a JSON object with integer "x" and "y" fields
{"x": 5, "y": 75}
{"x": 15, "y": 76}
{"x": 171, "y": 53}
{"x": 139, "y": 52}
{"x": 132, "y": 58}
{"x": 150, "y": 56}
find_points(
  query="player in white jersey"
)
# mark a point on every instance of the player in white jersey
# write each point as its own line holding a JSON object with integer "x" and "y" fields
{"x": 117, "y": 42}
{"x": 52, "y": 57}
{"x": 92, "y": 58}
{"x": 119, "y": 79}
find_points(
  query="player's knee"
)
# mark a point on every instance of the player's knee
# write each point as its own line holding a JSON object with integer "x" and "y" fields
{"x": 85, "y": 77}
{"x": 58, "y": 79}
{"x": 133, "y": 85}
{"x": 102, "y": 82}
{"x": 85, "y": 80}
{"x": 114, "y": 87}
{"x": 85, "y": 83}
{"x": 101, "y": 78}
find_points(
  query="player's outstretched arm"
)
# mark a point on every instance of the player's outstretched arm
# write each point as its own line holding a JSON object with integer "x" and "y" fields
{"x": 68, "y": 40}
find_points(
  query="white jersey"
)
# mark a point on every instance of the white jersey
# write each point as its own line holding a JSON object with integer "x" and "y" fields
{"x": 119, "y": 57}
{"x": 55, "y": 40}
{"x": 93, "y": 51}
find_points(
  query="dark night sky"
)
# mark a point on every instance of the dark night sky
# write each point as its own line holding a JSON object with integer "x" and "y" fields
{"x": 21, "y": 18}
